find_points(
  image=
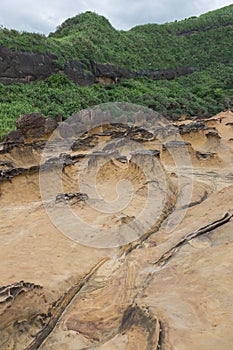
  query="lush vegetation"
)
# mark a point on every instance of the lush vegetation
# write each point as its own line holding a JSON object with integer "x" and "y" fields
{"x": 193, "y": 41}
{"x": 204, "y": 42}
{"x": 200, "y": 93}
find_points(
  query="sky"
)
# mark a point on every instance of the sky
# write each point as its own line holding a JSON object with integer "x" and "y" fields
{"x": 44, "y": 16}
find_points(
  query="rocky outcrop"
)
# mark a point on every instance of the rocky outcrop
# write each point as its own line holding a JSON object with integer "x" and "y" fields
{"x": 108, "y": 73}
{"x": 24, "y": 67}
{"x": 167, "y": 274}
{"x": 192, "y": 127}
{"x": 165, "y": 74}
{"x": 79, "y": 72}
{"x": 14, "y": 137}
{"x": 30, "y": 126}
{"x": 7, "y": 174}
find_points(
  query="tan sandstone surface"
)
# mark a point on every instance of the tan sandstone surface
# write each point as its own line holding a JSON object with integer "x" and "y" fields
{"x": 121, "y": 239}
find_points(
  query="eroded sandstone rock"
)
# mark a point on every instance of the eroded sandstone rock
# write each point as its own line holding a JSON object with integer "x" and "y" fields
{"x": 168, "y": 287}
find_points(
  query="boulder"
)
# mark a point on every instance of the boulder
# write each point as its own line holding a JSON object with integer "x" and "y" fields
{"x": 50, "y": 125}
{"x": 31, "y": 125}
{"x": 35, "y": 125}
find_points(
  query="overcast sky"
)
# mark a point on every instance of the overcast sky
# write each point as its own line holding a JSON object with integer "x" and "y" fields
{"x": 43, "y": 16}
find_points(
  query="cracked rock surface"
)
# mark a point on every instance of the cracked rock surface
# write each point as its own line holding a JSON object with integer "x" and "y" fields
{"x": 127, "y": 247}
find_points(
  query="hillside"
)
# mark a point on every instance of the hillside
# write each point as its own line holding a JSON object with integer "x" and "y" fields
{"x": 155, "y": 46}
{"x": 200, "y": 44}
{"x": 196, "y": 41}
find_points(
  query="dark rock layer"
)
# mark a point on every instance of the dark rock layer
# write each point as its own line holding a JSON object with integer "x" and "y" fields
{"x": 25, "y": 67}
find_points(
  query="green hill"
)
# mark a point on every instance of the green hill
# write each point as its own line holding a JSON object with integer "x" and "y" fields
{"x": 203, "y": 42}
{"x": 194, "y": 41}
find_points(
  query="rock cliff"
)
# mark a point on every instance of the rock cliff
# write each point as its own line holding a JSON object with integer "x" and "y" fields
{"x": 24, "y": 67}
